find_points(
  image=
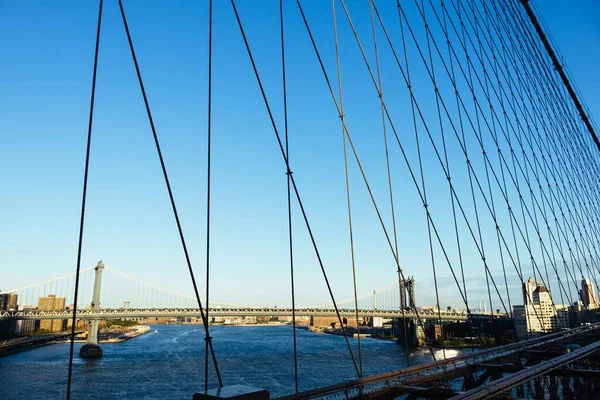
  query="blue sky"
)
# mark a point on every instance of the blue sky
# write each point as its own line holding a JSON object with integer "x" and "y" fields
{"x": 45, "y": 81}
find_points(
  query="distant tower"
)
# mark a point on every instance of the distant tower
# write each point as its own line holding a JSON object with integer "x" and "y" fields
{"x": 589, "y": 298}
{"x": 402, "y": 290}
{"x": 374, "y": 300}
{"x": 410, "y": 287}
{"x": 528, "y": 289}
{"x": 91, "y": 349}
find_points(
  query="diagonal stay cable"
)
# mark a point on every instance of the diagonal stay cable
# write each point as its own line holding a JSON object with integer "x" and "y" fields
{"x": 533, "y": 53}
{"x": 389, "y": 178}
{"x": 83, "y": 203}
{"x": 172, "y": 199}
{"x": 410, "y": 169}
{"x": 439, "y": 158}
{"x": 570, "y": 180}
{"x": 289, "y": 194}
{"x": 495, "y": 140}
{"x": 486, "y": 159}
{"x": 347, "y": 175}
{"x": 365, "y": 180}
{"x": 437, "y": 153}
{"x": 552, "y": 195}
{"x": 420, "y": 159}
{"x": 293, "y": 181}
{"x": 208, "y": 191}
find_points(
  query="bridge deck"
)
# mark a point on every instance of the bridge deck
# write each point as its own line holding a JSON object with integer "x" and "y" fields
{"x": 86, "y": 314}
{"x": 430, "y": 378}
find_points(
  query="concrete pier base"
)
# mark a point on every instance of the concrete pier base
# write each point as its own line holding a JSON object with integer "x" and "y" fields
{"x": 90, "y": 351}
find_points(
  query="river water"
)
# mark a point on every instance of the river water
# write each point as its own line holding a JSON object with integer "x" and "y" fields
{"x": 169, "y": 363}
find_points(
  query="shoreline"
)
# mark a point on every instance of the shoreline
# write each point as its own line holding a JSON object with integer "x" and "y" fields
{"x": 30, "y": 343}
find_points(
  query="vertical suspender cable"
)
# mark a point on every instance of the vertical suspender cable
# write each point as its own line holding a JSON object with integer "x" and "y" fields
{"x": 350, "y": 230}
{"x": 83, "y": 200}
{"x": 453, "y": 79}
{"x": 171, "y": 198}
{"x": 289, "y": 194}
{"x": 389, "y": 177}
{"x": 208, "y": 165}
{"x": 422, "y": 174}
{"x": 293, "y": 182}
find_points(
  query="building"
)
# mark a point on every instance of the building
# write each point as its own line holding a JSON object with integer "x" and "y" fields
{"x": 24, "y": 326}
{"x": 588, "y": 295}
{"x": 8, "y": 301}
{"x": 52, "y": 303}
{"x": 538, "y": 314}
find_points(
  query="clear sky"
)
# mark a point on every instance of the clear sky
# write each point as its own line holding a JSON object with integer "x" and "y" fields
{"x": 45, "y": 79}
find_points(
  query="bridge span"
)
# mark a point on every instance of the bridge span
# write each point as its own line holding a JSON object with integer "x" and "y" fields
{"x": 106, "y": 314}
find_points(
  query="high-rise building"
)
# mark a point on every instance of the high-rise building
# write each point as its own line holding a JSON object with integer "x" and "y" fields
{"x": 588, "y": 294}
{"x": 528, "y": 289}
{"x": 538, "y": 314}
{"x": 8, "y": 301}
{"x": 52, "y": 303}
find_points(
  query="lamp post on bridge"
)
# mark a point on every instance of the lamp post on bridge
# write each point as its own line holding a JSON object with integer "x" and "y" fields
{"x": 91, "y": 349}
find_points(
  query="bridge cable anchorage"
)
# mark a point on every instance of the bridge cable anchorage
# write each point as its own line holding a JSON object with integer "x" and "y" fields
{"x": 295, "y": 187}
{"x": 346, "y": 172}
{"x": 289, "y": 193}
{"x": 83, "y": 202}
{"x": 355, "y": 153}
{"x": 170, "y": 192}
{"x": 389, "y": 179}
{"x": 207, "y": 337}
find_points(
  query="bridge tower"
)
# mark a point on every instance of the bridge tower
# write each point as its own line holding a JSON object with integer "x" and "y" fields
{"x": 91, "y": 349}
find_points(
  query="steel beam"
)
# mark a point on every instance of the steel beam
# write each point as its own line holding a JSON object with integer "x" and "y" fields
{"x": 508, "y": 382}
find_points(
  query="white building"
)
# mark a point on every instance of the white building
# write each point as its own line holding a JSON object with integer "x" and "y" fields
{"x": 538, "y": 315}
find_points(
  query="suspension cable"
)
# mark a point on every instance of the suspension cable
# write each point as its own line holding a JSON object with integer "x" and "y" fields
{"x": 83, "y": 202}
{"x": 208, "y": 191}
{"x": 288, "y": 174}
{"x": 172, "y": 199}
{"x": 359, "y": 164}
{"x": 420, "y": 164}
{"x": 401, "y": 288}
{"x": 295, "y": 187}
{"x": 344, "y": 139}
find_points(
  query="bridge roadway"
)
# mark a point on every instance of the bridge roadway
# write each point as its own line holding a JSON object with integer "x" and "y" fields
{"x": 116, "y": 313}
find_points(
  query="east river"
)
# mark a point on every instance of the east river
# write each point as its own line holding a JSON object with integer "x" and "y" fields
{"x": 168, "y": 363}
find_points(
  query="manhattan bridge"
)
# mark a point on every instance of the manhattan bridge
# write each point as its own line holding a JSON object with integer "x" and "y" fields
{"x": 478, "y": 120}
